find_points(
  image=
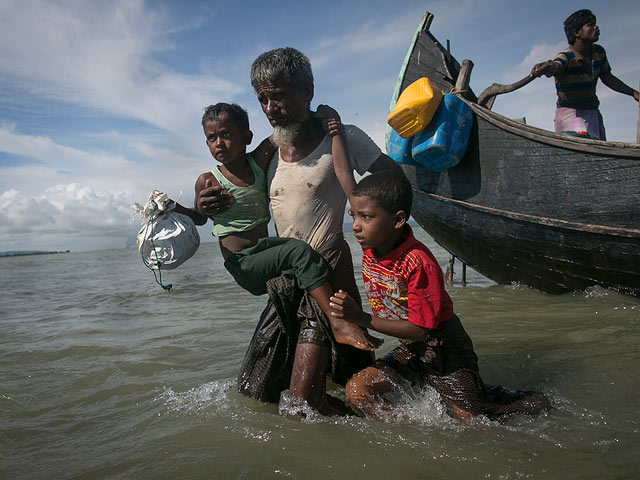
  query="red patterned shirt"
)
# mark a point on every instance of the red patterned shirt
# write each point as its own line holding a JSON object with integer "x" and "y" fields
{"x": 407, "y": 284}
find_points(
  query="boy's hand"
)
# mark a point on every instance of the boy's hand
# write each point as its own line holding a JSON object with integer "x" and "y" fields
{"x": 333, "y": 127}
{"x": 344, "y": 307}
{"x": 213, "y": 199}
{"x": 329, "y": 119}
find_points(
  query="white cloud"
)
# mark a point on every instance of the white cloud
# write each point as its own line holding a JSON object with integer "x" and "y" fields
{"x": 368, "y": 39}
{"x": 101, "y": 55}
{"x": 539, "y": 52}
{"x": 98, "y": 57}
{"x": 56, "y": 163}
{"x": 69, "y": 213}
{"x": 167, "y": 169}
{"x": 44, "y": 149}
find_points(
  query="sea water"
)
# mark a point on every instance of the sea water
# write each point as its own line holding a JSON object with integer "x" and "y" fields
{"x": 105, "y": 375}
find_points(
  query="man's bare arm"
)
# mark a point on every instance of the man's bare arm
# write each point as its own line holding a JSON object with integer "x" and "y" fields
{"x": 548, "y": 68}
{"x": 385, "y": 163}
{"x": 614, "y": 83}
{"x": 263, "y": 153}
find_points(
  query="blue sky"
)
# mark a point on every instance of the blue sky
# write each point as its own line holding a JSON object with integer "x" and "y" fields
{"x": 100, "y": 102}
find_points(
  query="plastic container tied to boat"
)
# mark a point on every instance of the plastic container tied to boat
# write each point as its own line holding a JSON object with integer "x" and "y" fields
{"x": 415, "y": 107}
{"x": 443, "y": 143}
{"x": 399, "y": 149}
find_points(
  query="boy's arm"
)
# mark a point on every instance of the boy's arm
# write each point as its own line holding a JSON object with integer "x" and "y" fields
{"x": 263, "y": 153}
{"x": 190, "y": 212}
{"x": 614, "y": 83}
{"x": 344, "y": 307}
{"x": 333, "y": 127}
{"x": 341, "y": 164}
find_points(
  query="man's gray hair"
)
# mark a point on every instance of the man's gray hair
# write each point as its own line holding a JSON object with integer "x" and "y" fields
{"x": 284, "y": 65}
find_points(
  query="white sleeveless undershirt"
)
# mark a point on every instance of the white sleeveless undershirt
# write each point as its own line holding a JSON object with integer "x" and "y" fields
{"x": 307, "y": 200}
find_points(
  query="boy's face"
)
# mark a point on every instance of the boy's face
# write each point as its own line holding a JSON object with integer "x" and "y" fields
{"x": 225, "y": 140}
{"x": 374, "y": 227}
{"x": 590, "y": 32}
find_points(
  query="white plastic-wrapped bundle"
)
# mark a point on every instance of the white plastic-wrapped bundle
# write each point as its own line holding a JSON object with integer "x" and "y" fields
{"x": 167, "y": 239}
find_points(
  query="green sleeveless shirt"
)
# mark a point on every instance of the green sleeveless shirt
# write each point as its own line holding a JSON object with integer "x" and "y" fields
{"x": 250, "y": 206}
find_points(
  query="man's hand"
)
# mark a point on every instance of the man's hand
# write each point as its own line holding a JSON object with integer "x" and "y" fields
{"x": 212, "y": 199}
{"x": 547, "y": 68}
{"x": 344, "y": 307}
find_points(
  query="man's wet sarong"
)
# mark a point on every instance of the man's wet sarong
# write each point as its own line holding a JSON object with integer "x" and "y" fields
{"x": 447, "y": 362}
{"x": 291, "y": 317}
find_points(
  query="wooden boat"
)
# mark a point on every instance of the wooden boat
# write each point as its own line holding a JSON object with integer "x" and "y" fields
{"x": 525, "y": 205}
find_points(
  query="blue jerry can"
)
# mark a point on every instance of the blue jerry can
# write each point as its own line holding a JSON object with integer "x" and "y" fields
{"x": 399, "y": 149}
{"x": 442, "y": 144}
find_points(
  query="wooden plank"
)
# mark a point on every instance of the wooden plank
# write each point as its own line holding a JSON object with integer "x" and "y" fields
{"x": 550, "y": 259}
{"x": 544, "y": 221}
{"x": 556, "y": 139}
{"x": 462, "y": 83}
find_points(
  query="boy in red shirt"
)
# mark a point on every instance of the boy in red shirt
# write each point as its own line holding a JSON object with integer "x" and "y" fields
{"x": 405, "y": 288}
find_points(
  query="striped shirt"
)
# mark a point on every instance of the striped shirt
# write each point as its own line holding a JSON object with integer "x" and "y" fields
{"x": 407, "y": 284}
{"x": 576, "y": 79}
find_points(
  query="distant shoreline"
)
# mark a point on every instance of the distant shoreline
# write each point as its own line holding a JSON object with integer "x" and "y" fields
{"x": 28, "y": 252}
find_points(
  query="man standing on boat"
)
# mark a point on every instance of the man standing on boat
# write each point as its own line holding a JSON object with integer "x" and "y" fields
{"x": 576, "y": 71}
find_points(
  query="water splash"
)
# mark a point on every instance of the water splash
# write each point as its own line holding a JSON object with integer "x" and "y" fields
{"x": 595, "y": 292}
{"x": 296, "y": 406}
{"x": 422, "y": 407}
{"x": 211, "y": 397}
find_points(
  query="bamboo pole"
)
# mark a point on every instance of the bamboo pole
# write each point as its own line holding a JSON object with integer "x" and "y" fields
{"x": 638, "y": 130}
{"x": 464, "y": 274}
{"x": 449, "y": 274}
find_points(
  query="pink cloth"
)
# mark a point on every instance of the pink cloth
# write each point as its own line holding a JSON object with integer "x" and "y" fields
{"x": 580, "y": 121}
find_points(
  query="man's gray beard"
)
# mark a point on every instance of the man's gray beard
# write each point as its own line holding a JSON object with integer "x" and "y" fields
{"x": 285, "y": 135}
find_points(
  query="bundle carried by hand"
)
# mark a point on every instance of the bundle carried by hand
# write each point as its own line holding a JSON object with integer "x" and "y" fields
{"x": 167, "y": 239}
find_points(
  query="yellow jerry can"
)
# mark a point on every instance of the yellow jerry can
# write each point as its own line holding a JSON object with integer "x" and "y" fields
{"x": 415, "y": 107}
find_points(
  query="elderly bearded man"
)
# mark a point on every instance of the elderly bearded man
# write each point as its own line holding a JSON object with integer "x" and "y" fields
{"x": 308, "y": 203}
